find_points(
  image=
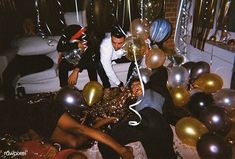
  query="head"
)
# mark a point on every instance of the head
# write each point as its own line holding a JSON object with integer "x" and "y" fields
{"x": 117, "y": 37}
{"x": 29, "y": 27}
{"x": 135, "y": 87}
{"x": 76, "y": 34}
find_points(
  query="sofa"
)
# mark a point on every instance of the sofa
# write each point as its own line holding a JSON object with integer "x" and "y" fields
{"x": 48, "y": 80}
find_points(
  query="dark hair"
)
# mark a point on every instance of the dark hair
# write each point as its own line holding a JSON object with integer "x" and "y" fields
{"x": 132, "y": 80}
{"x": 117, "y": 31}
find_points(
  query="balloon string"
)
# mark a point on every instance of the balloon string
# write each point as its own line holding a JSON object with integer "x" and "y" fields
{"x": 123, "y": 14}
{"x": 76, "y": 5}
{"x": 129, "y": 12}
{"x": 135, "y": 123}
{"x": 142, "y": 9}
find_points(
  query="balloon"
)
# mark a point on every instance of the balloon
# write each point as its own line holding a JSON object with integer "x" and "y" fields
{"x": 155, "y": 58}
{"x": 134, "y": 45}
{"x": 180, "y": 96}
{"x": 145, "y": 74}
{"x": 92, "y": 92}
{"x": 216, "y": 119}
{"x": 189, "y": 66}
{"x": 213, "y": 146}
{"x": 140, "y": 28}
{"x": 225, "y": 98}
{"x": 209, "y": 83}
{"x": 200, "y": 68}
{"x": 189, "y": 130}
{"x": 71, "y": 99}
{"x": 151, "y": 8}
{"x": 178, "y": 76}
{"x": 198, "y": 102}
{"x": 160, "y": 30}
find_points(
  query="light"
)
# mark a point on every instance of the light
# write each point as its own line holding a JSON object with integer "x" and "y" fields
{"x": 215, "y": 118}
{"x": 69, "y": 100}
{"x": 214, "y": 148}
{"x": 190, "y": 131}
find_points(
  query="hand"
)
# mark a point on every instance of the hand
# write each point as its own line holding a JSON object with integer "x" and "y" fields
{"x": 127, "y": 153}
{"x": 99, "y": 122}
{"x": 73, "y": 77}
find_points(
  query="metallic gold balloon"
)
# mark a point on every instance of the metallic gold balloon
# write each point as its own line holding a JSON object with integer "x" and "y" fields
{"x": 92, "y": 92}
{"x": 189, "y": 130}
{"x": 155, "y": 58}
{"x": 209, "y": 83}
{"x": 180, "y": 96}
{"x": 140, "y": 28}
{"x": 134, "y": 46}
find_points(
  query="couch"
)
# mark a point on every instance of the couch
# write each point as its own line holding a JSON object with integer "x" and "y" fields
{"x": 48, "y": 81}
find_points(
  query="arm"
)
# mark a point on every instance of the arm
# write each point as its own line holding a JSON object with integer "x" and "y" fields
{"x": 68, "y": 124}
{"x": 106, "y": 60}
{"x": 73, "y": 77}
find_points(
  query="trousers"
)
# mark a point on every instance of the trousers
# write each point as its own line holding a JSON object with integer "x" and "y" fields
{"x": 65, "y": 67}
{"x": 153, "y": 132}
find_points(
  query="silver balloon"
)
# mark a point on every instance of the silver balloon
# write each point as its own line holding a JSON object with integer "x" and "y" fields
{"x": 145, "y": 74}
{"x": 73, "y": 56}
{"x": 225, "y": 98}
{"x": 178, "y": 76}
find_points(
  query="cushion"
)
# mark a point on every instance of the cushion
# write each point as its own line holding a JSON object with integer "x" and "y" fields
{"x": 35, "y": 45}
{"x": 71, "y": 18}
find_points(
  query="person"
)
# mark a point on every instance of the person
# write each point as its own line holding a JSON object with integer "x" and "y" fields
{"x": 50, "y": 121}
{"x": 75, "y": 37}
{"x": 111, "y": 52}
{"x": 23, "y": 65}
{"x": 153, "y": 132}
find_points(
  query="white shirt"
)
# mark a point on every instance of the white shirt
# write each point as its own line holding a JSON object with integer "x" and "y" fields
{"x": 107, "y": 54}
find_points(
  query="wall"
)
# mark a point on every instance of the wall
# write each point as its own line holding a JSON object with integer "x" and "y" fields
{"x": 171, "y": 14}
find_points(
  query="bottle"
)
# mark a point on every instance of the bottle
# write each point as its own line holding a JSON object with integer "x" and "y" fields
{"x": 20, "y": 91}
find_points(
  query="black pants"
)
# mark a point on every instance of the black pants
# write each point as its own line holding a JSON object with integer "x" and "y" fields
{"x": 65, "y": 67}
{"x": 22, "y": 66}
{"x": 154, "y": 133}
{"x": 103, "y": 76}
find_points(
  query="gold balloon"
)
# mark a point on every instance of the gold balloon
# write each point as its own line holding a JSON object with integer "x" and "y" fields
{"x": 180, "y": 95}
{"x": 134, "y": 46}
{"x": 92, "y": 92}
{"x": 189, "y": 130}
{"x": 155, "y": 58}
{"x": 140, "y": 28}
{"x": 209, "y": 83}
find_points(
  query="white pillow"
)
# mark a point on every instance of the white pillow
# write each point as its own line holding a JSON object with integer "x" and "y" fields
{"x": 36, "y": 45}
{"x": 71, "y": 18}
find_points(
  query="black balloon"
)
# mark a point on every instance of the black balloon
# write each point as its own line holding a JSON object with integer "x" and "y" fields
{"x": 199, "y": 69}
{"x": 71, "y": 99}
{"x": 189, "y": 66}
{"x": 198, "y": 102}
{"x": 216, "y": 120}
{"x": 213, "y": 146}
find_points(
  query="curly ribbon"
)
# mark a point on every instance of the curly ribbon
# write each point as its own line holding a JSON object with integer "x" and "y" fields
{"x": 40, "y": 30}
{"x": 224, "y": 32}
{"x": 180, "y": 38}
{"x": 135, "y": 123}
{"x": 61, "y": 14}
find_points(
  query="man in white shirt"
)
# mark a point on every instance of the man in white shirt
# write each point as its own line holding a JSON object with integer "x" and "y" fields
{"x": 111, "y": 52}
